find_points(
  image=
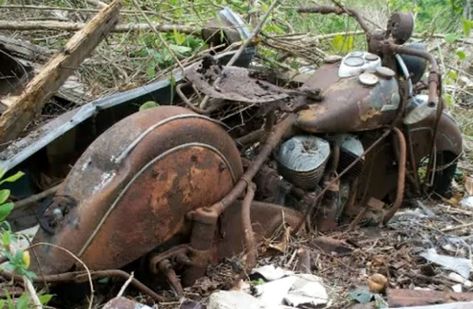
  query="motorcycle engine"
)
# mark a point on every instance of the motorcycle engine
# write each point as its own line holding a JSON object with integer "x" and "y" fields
{"x": 302, "y": 159}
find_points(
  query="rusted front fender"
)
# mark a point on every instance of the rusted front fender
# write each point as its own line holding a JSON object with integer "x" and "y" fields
{"x": 449, "y": 138}
{"x": 133, "y": 187}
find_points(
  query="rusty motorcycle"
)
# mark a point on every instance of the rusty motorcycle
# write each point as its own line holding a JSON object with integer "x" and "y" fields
{"x": 234, "y": 156}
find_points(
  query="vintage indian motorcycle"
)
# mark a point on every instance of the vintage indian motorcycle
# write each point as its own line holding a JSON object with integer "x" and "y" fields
{"x": 183, "y": 185}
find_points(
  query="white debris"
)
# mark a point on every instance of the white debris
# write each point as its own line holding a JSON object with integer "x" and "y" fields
{"x": 272, "y": 293}
{"x": 457, "y": 288}
{"x": 307, "y": 290}
{"x": 467, "y": 202}
{"x": 233, "y": 299}
{"x": 270, "y": 272}
{"x": 459, "y": 279}
{"x": 459, "y": 265}
{"x": 294, "y": 291}
{"x": 287, "y": 290}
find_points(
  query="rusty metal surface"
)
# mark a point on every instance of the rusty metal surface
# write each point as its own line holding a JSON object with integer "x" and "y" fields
{"x": 354, "y": 107}
{"x": 186, "y": 163}
{"x": 401, "y": 175}
{"x": 404, "y": 297}
{"x": 266, "y": 218}
{"x": 233, "y": 84}
{"x": 448, "y": 138}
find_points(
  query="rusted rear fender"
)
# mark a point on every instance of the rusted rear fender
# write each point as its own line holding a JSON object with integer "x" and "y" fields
{"x": 134, "y": 186}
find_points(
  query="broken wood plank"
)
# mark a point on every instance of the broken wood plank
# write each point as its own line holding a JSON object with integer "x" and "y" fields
{"x": 53, "y": 25}
{"x": 406, "y": 297}
{"x": 32, "y": 56}
{"x": 23, "y": 108}
{"x": 24, "y": 49}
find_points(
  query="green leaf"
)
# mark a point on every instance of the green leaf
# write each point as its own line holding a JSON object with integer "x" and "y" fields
{"x": 6, "y": 239}
{"x": 451, "y": 37}
{"x": 2, "y": 173}
{"x": 342, "y": 43}
{"x": 22, "y": 302}
{"x": 467, "y": 26}
{"x": 461, "y": 54}
{"x": 45, "y": 298}
{"x": 13, "y": 177}
{"x": 179, "y": 38}
{"x": 452, "y": 75}
{"x": 151, "y": 71}
{"x": 4, "y": 194}
{"x": 11, "y": 304}
{"x": 181, "y": 50}
{"x": 448, "y": 99}
{"x": 5, "y": 210}
{"x": 148, "y": 105}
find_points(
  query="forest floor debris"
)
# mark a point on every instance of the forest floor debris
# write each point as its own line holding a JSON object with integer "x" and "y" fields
{"x": 394, "y": 252}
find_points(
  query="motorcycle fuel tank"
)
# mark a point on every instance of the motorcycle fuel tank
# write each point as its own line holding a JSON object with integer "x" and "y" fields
{"x": 357, "y": 93}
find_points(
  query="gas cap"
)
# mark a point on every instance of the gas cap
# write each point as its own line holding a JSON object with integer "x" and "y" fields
{"x": 385, "y": 72}
{"x": 368, "y": 79}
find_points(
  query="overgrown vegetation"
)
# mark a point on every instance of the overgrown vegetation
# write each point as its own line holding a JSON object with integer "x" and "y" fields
{"x": 16, "y": 260}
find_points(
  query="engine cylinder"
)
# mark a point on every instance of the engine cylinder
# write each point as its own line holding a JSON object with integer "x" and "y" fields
{"x": 302, "y": 159}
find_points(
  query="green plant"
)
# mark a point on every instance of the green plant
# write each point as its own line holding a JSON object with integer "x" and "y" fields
{"x": 18, "y": 261}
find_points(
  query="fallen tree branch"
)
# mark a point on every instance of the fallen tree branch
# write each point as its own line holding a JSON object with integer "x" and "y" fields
{"x": 53, "y": 25}
{"x": 23, "y": 108}
{"x": 417, "y": 35}
{"x": 23, "y": 49}
{"x": 67, "y": 9}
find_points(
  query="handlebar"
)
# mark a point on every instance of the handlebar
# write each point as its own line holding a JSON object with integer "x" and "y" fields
{"x": 385, "y": 45}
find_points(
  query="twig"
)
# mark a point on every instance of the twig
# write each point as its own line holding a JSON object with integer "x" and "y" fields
{"x": 61, "y": 8}
{"x": 75, "y": 277}
{"x": 36, "y": 197}
{"x": 125, "y": 285}
{"x": 75, "y": 257}
{"x": 52, "y": 25}
{"x": 122, "y": 274}
{"x": 250, "y": 243}
{"x": 458, "y": 227}
{"x": 30, "y": 288}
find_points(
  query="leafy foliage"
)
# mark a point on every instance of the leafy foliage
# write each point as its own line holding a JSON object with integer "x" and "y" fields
{"x": 18, "y": 261}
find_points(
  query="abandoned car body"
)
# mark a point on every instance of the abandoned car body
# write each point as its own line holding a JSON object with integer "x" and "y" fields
{"x": 185, "y": 185}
